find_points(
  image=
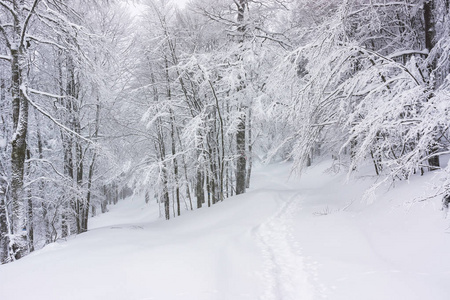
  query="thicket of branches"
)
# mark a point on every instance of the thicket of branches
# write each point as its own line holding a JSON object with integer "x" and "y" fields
{"x": 58, "y": 77}
{"x": 373, "y": 86}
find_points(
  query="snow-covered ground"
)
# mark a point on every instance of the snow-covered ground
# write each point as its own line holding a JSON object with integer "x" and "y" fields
{"x": 300, "y": 238}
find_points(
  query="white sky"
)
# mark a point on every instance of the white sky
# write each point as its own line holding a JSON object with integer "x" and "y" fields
{"x": 137, "y": 8}
{"x": 180, "y": 3}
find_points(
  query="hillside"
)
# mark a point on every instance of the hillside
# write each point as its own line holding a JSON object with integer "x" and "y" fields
{"x": 287, "y": 238}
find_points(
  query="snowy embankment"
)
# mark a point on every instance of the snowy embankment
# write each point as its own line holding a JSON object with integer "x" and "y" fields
{"x": 307, "y": 238}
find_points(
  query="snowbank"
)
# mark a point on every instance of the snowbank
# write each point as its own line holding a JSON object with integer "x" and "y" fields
{"x": 307, "y": 238}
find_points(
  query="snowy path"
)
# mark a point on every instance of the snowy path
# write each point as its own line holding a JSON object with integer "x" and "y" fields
{"x": 299, "y": 239}
{"x": 283, "y": 261}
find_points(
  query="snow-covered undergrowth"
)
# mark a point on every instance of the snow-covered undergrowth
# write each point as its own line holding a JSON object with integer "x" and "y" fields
{"x": 300, "y": 238}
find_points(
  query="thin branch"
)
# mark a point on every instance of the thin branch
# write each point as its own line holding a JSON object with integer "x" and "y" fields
{"x": 70, "y": 131}
{"x": 362, "y": 49}
{"x": 11, "y": 9}
{"x": 324, "y": 124}
{"x": 5, "y": 35}
{"x": 8, "y": 58}
{"x": 408, "y": 52}
{"x": 25, "y": 24}
{"x": 434, "y": 155}
{"x": 45, "y": 94}
{"x": 39, "y": 40}
{"x": 47, "y": 162}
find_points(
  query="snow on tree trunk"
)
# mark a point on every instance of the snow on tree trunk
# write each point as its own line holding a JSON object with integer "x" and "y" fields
{"x": 241, "y": 164}
{"x": 19, "y": 82}
{"x": 429, "y": 11}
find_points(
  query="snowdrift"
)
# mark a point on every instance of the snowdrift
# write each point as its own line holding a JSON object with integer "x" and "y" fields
{"x": 300, "y": 238}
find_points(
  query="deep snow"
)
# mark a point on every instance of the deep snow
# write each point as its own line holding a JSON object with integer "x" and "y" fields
{"x": 300, "y": 238}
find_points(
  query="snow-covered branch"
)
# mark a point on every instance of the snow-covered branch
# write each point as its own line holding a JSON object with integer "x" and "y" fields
{"x": 10, "y": 9}
{"x": 59, "y": 124}
{"x": 27, "y": 20}
{"x": 45, "y": 41}
{"x": 45, "y": 94}
{"x": 5, "y": 36}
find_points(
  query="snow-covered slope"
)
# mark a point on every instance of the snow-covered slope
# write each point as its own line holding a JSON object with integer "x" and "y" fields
{"x": 307, "y": 238}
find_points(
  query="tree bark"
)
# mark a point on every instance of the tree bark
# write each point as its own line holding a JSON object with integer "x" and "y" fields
{"x": 241, "y": 163}
{"x": 430, "y": 23}
{"x": 84, "y": 223}
{"x": 29, "y": 217}
{"x": 429, "y": 9}
{"x": 44, "y": 205}
{"x": 250, "y": 148}
{"x": 4, "y": 240}
{"x": 199, "y": 191}
{"x": 18, "y": 143}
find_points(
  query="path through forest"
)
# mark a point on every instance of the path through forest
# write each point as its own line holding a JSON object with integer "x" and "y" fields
{"x": 299, "y": 238}
{"x": 283, "y": 261}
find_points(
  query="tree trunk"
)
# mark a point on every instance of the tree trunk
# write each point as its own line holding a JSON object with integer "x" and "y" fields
{"x": 41, "y": 191}
{"x": 429, "y": 9}
{"x": 199, "y": 191}
{"x": 175, "y": 162}
{"x": 18, "y": 143}
{"x": 241, "y": 163}
{"x": 250, "y": 148}
{"x": 165, "y": 193}
{"x": 84, "y": 224}
{"x": 4, "y": 240}
{"x": 430, "y": 23}
{"x": 29, "y": 217}
{"x": 85, "y": 217}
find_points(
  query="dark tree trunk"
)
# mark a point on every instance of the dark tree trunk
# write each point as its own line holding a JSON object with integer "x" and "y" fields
{"x": 3, "y": 226}
{"x": 68, "y": 171}
{"x": 70, "y": 92}
{"x": 250, "y": 149}
{"x": 241, "y": 163}
{"x": 4, "y": 240}
{"x": 166, "y": 201}
{"x": 199, "y": 191}
{"x": 208, "y": 189}
{"x": 175, "y": 162}
{"x": 29, "y": 217}
{"x": 84, "y": 222}
{"x": 18, "y": 146}
{"x": 41, "y": 192}
{"x": 80, "y": 202}
{"x": 430, "y": 23}
{"x": 429, "y": 10}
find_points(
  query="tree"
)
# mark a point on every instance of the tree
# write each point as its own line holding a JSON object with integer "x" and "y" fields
{"x": 367, "y": 86}
{"x": 54, "y": 72}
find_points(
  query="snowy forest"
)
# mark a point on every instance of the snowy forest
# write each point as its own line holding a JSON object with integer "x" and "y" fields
{"x": 103, "y": 99}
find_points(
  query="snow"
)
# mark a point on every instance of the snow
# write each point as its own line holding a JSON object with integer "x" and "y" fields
{"x": 2, "y": 142}
{"x": 300, "y": 238}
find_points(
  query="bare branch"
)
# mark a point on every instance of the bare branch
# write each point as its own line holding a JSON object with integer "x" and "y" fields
{"x": 10, "y": 9}
{"x": 387, "y": 59}
{"x": 42, "y": 111}
{"x": 408, "y": 52}
{"x": 5, "y": 35}
{"x": 40, "y": 40}
{"x": 25, "y": 24}
{"x": 45, "y": 94}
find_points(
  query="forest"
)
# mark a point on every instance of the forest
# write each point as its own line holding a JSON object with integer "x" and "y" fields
{"x": 102, "y": 99}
